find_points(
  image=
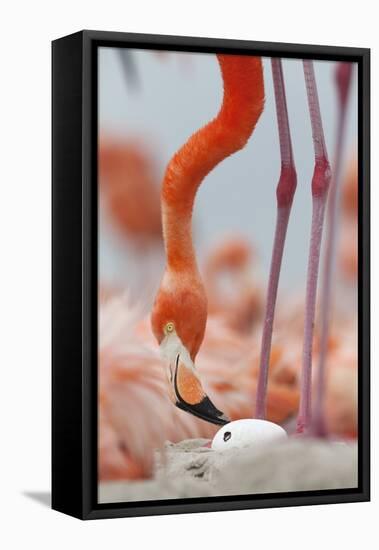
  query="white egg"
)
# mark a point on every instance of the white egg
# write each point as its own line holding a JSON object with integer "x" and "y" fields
{"x": 247, "y": 432}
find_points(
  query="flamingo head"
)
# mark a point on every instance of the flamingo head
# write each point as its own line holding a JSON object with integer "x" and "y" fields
{"x": 178, "y": 322}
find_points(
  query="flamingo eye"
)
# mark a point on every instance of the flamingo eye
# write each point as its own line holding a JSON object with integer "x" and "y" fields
{"x": 169, "y": 328}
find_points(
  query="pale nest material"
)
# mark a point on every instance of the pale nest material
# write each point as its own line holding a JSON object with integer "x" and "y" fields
{"x": 188, "y": 469}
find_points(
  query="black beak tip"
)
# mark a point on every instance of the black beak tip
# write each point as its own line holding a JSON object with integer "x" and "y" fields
{"x": 205, "y": 410}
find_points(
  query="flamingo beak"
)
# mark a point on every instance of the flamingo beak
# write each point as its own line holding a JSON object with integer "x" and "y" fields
{"x": 191, "y": 397}
{"x": 185, "y": 387}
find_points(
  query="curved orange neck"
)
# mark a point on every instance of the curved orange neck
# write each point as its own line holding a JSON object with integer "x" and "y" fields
{"x": 227, "y": 133}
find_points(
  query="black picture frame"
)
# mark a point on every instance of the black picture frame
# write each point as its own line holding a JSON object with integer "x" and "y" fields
{"x": 74, "y": 273}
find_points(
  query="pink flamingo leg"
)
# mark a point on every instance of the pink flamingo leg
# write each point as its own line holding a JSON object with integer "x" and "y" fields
{"x": 343, "y": 78}
{"x": 320, "y": 185}
{"x": 284, "y": 192}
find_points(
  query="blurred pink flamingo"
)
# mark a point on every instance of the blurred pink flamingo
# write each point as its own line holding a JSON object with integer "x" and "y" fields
{"x": 240, "y": 303}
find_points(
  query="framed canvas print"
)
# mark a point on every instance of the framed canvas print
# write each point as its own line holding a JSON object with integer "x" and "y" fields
{"x": 210, "y": 274}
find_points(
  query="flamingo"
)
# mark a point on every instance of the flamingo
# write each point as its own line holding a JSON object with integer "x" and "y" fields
{"x": 180, "y": 310}
{"x": 127, "y": 177}
{"x": 132, "y": 245}
{"x": 241, "y": 306}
